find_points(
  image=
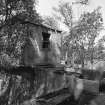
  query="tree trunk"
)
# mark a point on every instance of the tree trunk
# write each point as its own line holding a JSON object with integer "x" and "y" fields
{"x": 82, "y": 56}
{"x": 91, "y": 59}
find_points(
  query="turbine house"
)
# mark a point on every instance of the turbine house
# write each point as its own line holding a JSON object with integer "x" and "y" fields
{"x": 43, "y": 54}
{"x": 40, "y": 49}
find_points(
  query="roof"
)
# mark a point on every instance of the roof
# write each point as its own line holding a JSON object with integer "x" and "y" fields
{"x": 22, "y": 21}
{"x": 45, "y": 26}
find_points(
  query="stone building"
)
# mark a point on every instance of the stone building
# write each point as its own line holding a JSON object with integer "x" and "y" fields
{"x": 40, "y": 48}
{"x": 41, "y": 51}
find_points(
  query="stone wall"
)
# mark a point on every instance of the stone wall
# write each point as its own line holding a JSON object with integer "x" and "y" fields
{"x": 33, "y": 52}
{"x": 48, "y": 81}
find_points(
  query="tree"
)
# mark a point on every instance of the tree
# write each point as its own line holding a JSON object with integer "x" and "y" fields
{"x": 13, "y": 27}
{"x": 100, "y": 49}
{"x": 14, "y": 30}
{"x": 83, "y": 32}
{"x": 91, "y": 25}
{"x": 87, "y": 30}
{"x": 64, "y": 14}
{"x": 51, "y": 22}
{"x": 64, "y": 11}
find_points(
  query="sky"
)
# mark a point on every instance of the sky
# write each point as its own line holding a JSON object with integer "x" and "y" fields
{"x": 45, "y": 7}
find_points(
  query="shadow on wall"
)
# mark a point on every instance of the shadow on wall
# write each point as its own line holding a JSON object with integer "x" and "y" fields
{"x": 33, "y": 54}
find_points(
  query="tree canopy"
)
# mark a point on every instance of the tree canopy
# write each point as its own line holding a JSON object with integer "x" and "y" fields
{"x": 82, "y": 33}
{"x": 14, "y": 16}
{"x": 51, "y": 22}
{"x": 14, "y": 31}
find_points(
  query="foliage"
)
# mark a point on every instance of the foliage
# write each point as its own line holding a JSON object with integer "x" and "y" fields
{"x": 83, "y": 33}
{"x": 99, "y": 51}
{"x": 91, "y": 25}
{"x": 64, "y": 11}
{"x": 51, "y": 22}
{"x": 101, "y": 40}
{"x": 86, "y": 31}
{"x": 14, "y": 90}
{"x": 13, "y": 29}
